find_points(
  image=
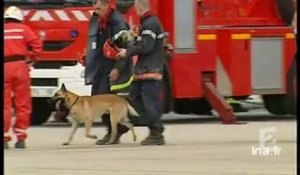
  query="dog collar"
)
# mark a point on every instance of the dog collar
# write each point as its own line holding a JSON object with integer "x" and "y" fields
{"x": 74, "y": 103}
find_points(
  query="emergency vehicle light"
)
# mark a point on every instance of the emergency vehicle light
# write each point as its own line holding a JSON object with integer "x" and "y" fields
{"x": 74, "y": 33}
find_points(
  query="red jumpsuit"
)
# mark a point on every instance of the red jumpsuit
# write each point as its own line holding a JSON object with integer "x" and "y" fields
{"x": 17, "y": 39}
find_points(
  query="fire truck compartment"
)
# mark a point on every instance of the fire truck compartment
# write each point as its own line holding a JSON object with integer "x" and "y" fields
{"x": 185, "y": 34}
{"x": 267, "y": 65}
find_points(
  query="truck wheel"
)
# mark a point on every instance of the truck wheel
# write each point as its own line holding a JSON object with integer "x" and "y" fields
{"x": 196, "y": 106}
{"x": 289, "y": 103}
{"x": 286, "y": 10}
{"x": 273, "y": 103}
{"x": 181, "y": 106}
{"x": 40, "y": 111}
{"x": 201, "y": 107}
{"x": 284, "y": 104}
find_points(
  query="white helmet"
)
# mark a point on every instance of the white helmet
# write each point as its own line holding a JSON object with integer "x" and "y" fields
{"x": 13, "y": 12}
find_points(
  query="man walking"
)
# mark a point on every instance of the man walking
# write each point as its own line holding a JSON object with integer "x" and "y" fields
{"x": 145, "y": 90}
{"x": 103, "y": 71}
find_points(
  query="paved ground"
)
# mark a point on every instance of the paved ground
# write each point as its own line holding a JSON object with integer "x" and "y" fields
{"x": 207, "y": 148}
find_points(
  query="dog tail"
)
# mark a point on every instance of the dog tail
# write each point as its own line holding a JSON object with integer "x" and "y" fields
{"x": 131, "y": 110}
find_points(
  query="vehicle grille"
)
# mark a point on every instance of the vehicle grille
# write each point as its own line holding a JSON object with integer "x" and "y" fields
{"x": 55, "y": 45}
{"x": 44, "y": 82}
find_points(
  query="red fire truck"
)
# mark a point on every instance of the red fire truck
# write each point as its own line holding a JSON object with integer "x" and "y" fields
{"x": 222, "y": 48}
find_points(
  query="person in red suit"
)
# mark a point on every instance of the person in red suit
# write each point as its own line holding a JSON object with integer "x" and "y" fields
{"x": 20, "y": 43}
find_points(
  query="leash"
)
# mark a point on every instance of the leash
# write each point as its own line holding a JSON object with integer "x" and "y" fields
{"x": 74, "y": 102}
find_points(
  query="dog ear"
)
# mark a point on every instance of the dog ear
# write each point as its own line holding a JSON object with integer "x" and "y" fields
{"x": 63, "y": 88}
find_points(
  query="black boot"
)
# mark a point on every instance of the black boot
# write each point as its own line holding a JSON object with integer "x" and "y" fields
{"x": 106, "y": 138}
{"x": 121, "y": 130}
{"x": 155, "y": 137}
{"x": 20, "y": 144}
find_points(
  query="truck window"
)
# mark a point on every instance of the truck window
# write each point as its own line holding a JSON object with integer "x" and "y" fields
{"x": 46, "y": 4}
{"x": 124, "y": 5}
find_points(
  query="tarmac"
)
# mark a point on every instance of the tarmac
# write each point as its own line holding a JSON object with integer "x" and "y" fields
{"x": 207, "y": 148}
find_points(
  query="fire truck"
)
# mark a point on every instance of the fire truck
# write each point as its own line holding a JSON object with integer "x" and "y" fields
{"x": 222, "y": 48}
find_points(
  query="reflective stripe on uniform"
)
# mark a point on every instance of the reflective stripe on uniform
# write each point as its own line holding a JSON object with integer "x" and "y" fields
{"x": 18, "y": 130}
{"x": 13, "y": 37}
{"x": 116, "y": 36}
{"x": 160, "y": 36}
{"x": 121, "y": 86}
{"x": 152, "y": 34}
{"x": 156, "y": 76}
{"x": 13, "y": 30}
{"x": 149, "y": 32}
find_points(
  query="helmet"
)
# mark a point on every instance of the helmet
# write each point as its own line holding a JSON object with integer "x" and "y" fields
{"x": 13, "y": 12}
{"x": 110, "y": 50}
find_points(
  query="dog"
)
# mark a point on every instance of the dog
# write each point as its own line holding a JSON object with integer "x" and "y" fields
{"x": 126, "y": 38}
{"x": 84, "y": 109}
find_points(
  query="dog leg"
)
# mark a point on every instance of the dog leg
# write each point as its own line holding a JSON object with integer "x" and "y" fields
{"x": 74, "y": 128}
{"x": 129, "y": 126}
{"x": 88, "y": 126}
{"x": 113, "y": 133}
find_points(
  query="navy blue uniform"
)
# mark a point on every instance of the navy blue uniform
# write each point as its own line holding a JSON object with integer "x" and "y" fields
{"x": 98, "y": 67}
{"x": 145, "y": 89}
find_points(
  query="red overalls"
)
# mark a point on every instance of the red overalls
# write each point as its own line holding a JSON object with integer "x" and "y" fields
{"x": 17, "y": 38}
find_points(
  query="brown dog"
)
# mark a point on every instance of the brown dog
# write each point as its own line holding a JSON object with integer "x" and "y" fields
{"x": 84, "y": 109}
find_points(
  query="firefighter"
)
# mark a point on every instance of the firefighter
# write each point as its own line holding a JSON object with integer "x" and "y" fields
{"x": 145, "y": 89}
{"x": 103, "y": 72}
{"x": 17, "y": 38}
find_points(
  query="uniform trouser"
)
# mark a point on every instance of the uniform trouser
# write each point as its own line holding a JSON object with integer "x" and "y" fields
{"x": 145, "y": 98}
{"x": 101, "y": 85}
{"x": 17, "y": 82}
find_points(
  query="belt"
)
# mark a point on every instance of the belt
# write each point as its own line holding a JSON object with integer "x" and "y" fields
{"x": 14, "y": 58}
{"x": 155, "y": 76}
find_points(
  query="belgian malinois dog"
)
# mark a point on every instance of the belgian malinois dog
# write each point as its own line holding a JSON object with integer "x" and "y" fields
{"x": 84, "y": 109}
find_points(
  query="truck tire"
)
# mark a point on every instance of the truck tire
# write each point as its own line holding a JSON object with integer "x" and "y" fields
{"x": 189, "y": 106}
{"x": 290, "y": 100}
{"x": 286, "y": 10}
{"x": 181, "y": 106}
{"x": 40, "y": 111}
{"x": 201, "y": 107}
{"x": 273, "y": 103}
{"x": 287, "y": 103}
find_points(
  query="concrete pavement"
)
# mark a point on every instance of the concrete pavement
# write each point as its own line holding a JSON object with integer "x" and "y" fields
{"x": 192, "y": 149}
